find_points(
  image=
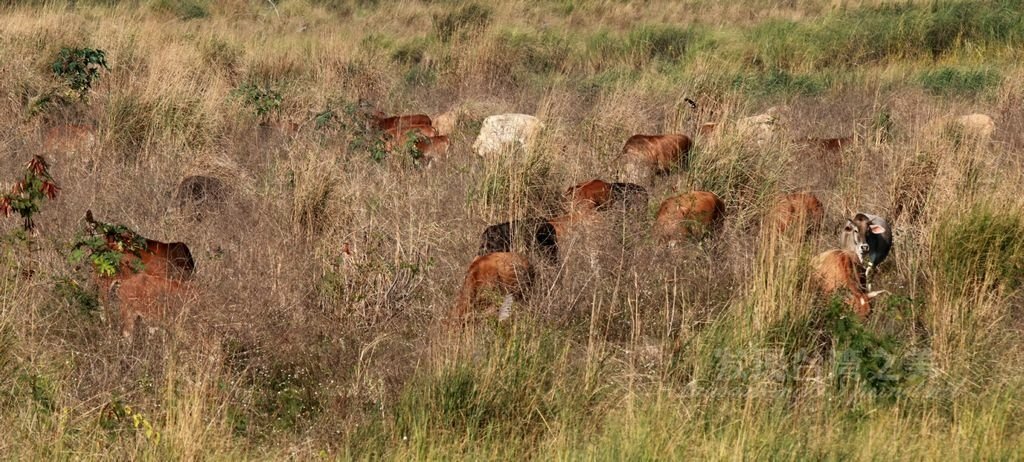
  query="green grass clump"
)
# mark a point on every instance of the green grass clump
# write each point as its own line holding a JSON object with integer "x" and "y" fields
{"x": 982, "y": 249}
{"x": 182, "y": 9}
{"x": 462, "y": 23}
{"x": 949, "y": 81}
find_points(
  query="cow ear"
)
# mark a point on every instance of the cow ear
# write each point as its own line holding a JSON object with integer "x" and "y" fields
{"x": 877, "y": 229}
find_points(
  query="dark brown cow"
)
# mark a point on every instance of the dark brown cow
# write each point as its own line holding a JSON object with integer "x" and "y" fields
{"x": 838, "y": 269}
{"x": 654, "y": 154}
{"x": 509, "y": 274}
{"x": 688, "y": 215}
{"x": 433, "y": 147}
{"x": 537, "y": 234}
{"x": 801, "y": 211}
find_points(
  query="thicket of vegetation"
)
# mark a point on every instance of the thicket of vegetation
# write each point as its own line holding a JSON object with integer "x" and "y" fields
{"x": 313, "y": 329}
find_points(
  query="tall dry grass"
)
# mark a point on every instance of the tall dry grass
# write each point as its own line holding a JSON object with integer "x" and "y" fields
{"x": 290, "y": 347}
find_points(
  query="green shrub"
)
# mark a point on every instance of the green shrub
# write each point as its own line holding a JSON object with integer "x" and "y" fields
{"x": 262, "y": 100}
{"x": 948, "y": 81}
{"x": 27, "y": 195}
{"x": 461, "y": 23}
{"x": 78, "y": 68}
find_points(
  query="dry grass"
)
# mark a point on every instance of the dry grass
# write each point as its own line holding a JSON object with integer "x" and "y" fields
{"x": 289, "y": 347}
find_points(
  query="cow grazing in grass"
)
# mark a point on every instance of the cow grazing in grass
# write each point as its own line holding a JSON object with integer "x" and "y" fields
{"x": 647, "y": 155}
{"x": 839, "y": 269}
{"x": 688, "y": 215}
{"x": 869, "y": 237}
{"x": 401, "y": 123}
{"x": 801, "y": 211}
{"x": 537, "y": 234}
{"x": 507, "y": 274}
{"x": 599, "y": 195}
{"x": 149, "y": 275}
{"x": 69, "y": 138}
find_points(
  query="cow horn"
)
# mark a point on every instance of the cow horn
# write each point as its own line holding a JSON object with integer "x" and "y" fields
{"x": 692, "y": 103}
{"x": 88, "y": 217}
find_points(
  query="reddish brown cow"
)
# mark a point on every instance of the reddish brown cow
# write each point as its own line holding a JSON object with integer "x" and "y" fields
{"x": 800, "y": 210}
{"x": 688, "y": 215}
{"x": 396, "y": 139}
{"x": 68, "y": 138}
{"x": 658, "y": 154}
{"x": 509, "y": 274}
{"x": 433, "y": 147}
{"x": 400, "y": 123}
{"x": 597, "y": 194}
{"x": 165, "y": 267}
{"x": 837, "y": 269}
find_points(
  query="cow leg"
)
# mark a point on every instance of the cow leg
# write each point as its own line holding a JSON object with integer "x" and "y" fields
{"x": 505, "y": 311}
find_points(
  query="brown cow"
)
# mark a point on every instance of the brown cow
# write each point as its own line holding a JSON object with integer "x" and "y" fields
{"x": 687, "y": 215}
{"x": 837, "y": 269}
{"x": 801, "y": 210}
{"x": 509, "y": 274}
{"x": 597, "y": 195}
{"x": 68, "y": 138}
{"x": 400, "y": 123}
{"x": 395, "y": 139}
{"x": 828, "y": 144}
{"x": 432, "y": 147}
{"x": 654, "y": 154}
{"x": 166, "y": 267}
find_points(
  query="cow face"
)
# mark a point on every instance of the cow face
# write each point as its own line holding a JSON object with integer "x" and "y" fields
{"x": 859, "y": 234}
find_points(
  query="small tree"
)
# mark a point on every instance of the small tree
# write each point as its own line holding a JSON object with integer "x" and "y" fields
{"x": 27, "y": 195}
{"x": 79, "y": 67}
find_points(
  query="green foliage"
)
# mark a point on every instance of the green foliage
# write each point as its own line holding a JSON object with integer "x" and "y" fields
{"x": 982, "y": 249}
{"x": 262, "y": 100}
{"x": 106, "y": 246}
{"x": 864, "y": 356}
{"x": 28, "y": 194}
{"x": 781, "y": 82}
{"x": 851, "y": 37}
{"x": 949, "y": 81}
{"x": 461, "y": 23}
{"x": 78, "y": 68}
{"x": 513, "y": 389}
{"x": 538, "y": 53}
{"x": 118, "y": 417}
{"x": 183, "y": 9}
{"x": 660, "y": 41}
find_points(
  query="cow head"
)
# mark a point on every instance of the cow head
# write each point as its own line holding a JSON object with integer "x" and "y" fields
{"x": 855, "y": 233}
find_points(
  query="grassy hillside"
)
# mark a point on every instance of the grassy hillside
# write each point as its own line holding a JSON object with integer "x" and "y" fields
{"x": 289, "y": 347}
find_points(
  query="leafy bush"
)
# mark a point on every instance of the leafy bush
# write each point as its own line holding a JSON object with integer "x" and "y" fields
{"x": 262, "y": 100}
{"x": 105, "y": 246}
{"x": 79, "y": 68}
{"x": 462, "y": 22}
{"x": 28, "y": 194}
{"x": 964, "y": 82}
